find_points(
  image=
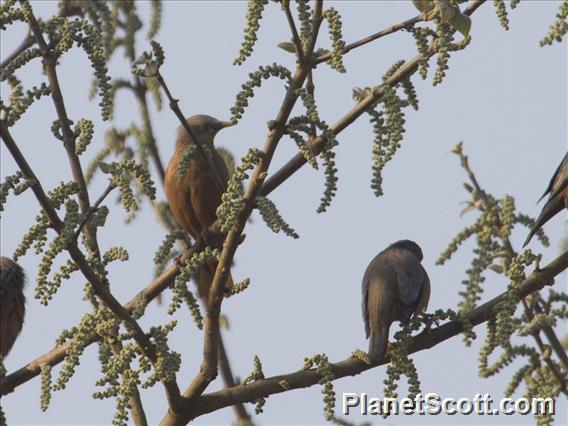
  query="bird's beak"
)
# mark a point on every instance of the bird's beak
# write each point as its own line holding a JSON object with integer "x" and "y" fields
{"x": 227, "y": 124}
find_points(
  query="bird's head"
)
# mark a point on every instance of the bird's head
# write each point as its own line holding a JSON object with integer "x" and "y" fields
{"x": 204, "y": 127}
{"x": 409, "y": 245}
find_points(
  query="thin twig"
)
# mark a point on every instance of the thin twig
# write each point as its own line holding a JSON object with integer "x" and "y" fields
{"x": 173, "y": 103}
{"x": 94, "y": 208}
{"x": 295, "y": 37}
{"x": 25, "y": 44}
{"x": 140, "y": 91}
{"x": 390, "y": 30}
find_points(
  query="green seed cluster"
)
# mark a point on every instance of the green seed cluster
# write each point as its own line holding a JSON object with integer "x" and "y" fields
{"x": 323, "y": 367}
{"x": 327, "y": 155}
{"x": 330, "y": 171}
{"x": 44, "y": 289}
{"x": 15, "y": 182}
{"x": 45, "y": 393}
{"x": 189, "y": 153}
{"x": 84, "y": 134}
{"x": 272, "y": 217}
{"x": 293, "y": 128}
{"x": 19, "y": 61}
{"x": 180, "y": 290}
{"x": 114, "y": 254}
{"x": 305, "y": 16}
{"x": 162, "y": 255}
{"x": 559, "y": 27}
{"x": 168, "y": 362}
{"x": 255, "y": 80}
{"x": 442, "y": 44}
{"x": 122, "y": 174}
{"x": 252, "y": 25}
{"x": 501, "y": 11}
{"x": 401, "y": 364}
{"x": 232, "y": 200}
{"x": 239, "y": 287}
{"x": 457, "y": 241}
{"x": 361, "y": 356}
{"x": 255, "y": 375}
{"x": 543, "y": 384}
{"x": 45, "y": 294}
{"x": 79, "y": 339}
{"x": 19, "y": 102}
{"x": 9, "y": 14}
{"x": 38, "y": 232}
{"x": 388, "y": 127}
{"x": 156, "y": 19}
{"x": 140, "y": 304}
{"x": 86, "y": 36}
{"x": 421, "y": 39}
{"x": 337, "y": 44}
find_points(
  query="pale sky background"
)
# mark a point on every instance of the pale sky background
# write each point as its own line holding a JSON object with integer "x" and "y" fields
{"x": 504, "y": 96}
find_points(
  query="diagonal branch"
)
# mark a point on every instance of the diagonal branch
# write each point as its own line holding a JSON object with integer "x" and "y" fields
{"x": 352, "y": 366}
{"x": 100, "y": 288}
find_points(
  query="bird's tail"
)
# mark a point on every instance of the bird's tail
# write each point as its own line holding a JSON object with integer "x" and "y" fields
{"x": 552, "y": 206}
{"x": 378, "y": 341}
{"x": 204, "y": 279}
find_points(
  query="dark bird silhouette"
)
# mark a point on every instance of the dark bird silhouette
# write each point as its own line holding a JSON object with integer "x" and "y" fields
{"x": 557, "y": 200}
{"x": 395, "y": 286}
{"x": 195, "y": 196}
{"x": 12, "y": 303}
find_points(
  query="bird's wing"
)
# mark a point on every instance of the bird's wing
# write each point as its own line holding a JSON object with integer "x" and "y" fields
{"x": 558, "y": 179}
{"x": 411, "y": 279}
{"x": 365, "y": 306}
{"x": 178, "y": 191}
{"x": 206, "y": 196}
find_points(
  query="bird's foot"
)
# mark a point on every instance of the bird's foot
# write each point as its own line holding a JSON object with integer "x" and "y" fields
{"x": 428, "y": 320}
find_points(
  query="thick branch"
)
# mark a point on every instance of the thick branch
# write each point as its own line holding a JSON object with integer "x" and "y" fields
{"x": 352, "y": 366}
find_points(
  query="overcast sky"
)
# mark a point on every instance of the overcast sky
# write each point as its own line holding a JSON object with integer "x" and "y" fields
{"x": 504, "y": 96}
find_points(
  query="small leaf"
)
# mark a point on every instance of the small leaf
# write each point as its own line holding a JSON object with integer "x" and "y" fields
{"x": 288, "y": 46}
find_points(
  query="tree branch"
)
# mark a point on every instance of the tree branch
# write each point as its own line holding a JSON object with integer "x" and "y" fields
{"x": 25, "y": 44}
{"x": 352, "y": 366}
{"x": 100, "y": 288}
{"x": 317, "y": 144}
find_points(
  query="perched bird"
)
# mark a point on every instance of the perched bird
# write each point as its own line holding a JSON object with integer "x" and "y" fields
{"x": 395, "y": 286}
{"x": 195, "y": 193}
{"x": 557, "y": 200}
{"x": 12, "y": 303}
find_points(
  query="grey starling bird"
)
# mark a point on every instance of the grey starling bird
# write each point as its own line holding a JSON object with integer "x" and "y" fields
{"x": 12, "y": 303}
{"x": 557, "y": 200}
{"x": 395, "y": 286}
